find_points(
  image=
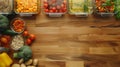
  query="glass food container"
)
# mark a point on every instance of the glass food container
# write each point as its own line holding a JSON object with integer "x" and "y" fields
{"x": 55, "y": 8}
{"x": 104, "y": 7}
{"x": 26, "y": 7}
{"x": 6, "y": 6}
{"x": 80, "y": 8}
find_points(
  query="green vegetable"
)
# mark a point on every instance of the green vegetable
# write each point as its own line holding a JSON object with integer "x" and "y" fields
{"x": 85, "y": 8}
{"x": 4, "y": 22}
{"x": 107, "y": 3}
{"x": 117, "y": 15}
{"x": 24, "y": 52}
{"x": 117, "y": 9}
{"x": 9, "y": 32}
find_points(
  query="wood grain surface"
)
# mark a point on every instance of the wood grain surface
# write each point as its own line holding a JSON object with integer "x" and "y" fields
{"x": 71, "y": 41}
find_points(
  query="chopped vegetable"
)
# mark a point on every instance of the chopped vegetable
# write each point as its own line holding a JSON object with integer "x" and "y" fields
{"x": 55, "y": 6}
{"x": 106, "y": 6}
{"x": 5, "y": 6}
{"x": 24, "y": 52}
{"x": 18, "y": 25}
{"x": 27, "y": 6}
{"x": 17, "y": 42}
{"x": 80, "y": 6}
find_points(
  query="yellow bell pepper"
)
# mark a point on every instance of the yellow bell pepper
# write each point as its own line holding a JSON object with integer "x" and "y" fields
{"x": 5, "y": 60}
{"x": 2, "y": 64}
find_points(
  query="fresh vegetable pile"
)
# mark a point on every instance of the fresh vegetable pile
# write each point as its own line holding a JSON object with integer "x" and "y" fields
{"x": 55, "y": 6}
{"x": 17, "y": 40}
{"x": 104, "y": 6}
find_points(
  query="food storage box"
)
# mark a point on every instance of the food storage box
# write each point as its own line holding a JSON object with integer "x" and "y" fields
{"x": 6, "y": 6}
{"x": 26, "y": 7}
{"x": 104, "y": 7}
{"x": 80, "y": 8}
{"x": 55, "y": 8}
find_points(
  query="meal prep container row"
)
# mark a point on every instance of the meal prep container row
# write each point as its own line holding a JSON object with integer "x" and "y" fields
{"x": 57, "y": 8}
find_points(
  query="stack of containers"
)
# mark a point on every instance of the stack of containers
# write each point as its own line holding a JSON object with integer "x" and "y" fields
{"x": 55, "y": 8}
{"x": 6, "y": 6}
{"x": 80, "y": 8}
{"x": 104, "y": 7}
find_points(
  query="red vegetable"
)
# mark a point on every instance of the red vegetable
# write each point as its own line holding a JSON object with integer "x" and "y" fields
{"x": 25, "y": 33}
{"x": 18, "y": 25}
{"x": 55, "y": 6}
{"x": 32, "y": 37}
{"x": 28, "y": 41}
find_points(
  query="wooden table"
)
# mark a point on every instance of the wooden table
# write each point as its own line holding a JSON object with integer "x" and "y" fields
{"x": 80, "y": 42}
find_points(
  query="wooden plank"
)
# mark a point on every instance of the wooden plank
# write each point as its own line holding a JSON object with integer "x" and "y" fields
{"x": 73, "y": 30}
{"x": 59, "y": 50}
{"x": 75, "y": 64}
{"x": 102, "y": 50}
{"x": 74, "y": 51}
{"x": 73, "y": 21}
{"x": 94, "y": 37}
{"x": 51, "y": 64}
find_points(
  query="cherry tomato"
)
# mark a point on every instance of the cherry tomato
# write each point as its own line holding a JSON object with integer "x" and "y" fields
{"x": 4, "y": 40}
{"x": 53, "y": 1}
{"x": 45, "y": 1}
{"x": 60, "y": 11}
{"x": 25, "y": 33}
{"x": 62, "y": 6}
{"x": 64, "y": 2}
{"x": 51, "y": 11}
{"x": 45, "y": 5}
{"x": 58, "y": 7}
{"x": 46, "y": 10}
{"x": 64, "y": 10}
{"x": 32, "y": 37}
{"x": 54, "y": 9}
{"x": 28, "y": 41}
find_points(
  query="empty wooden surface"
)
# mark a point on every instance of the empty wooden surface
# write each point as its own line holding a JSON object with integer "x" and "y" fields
{"x": 75, "y": 42}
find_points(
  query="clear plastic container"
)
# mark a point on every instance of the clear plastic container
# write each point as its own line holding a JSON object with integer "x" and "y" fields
{"x": 104, "y": 7}
{"x": 6, "y": 6}
{"x": 26, "y": 7}
{"x": 80, "y": 8}
{"x": 55, "y": 8}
